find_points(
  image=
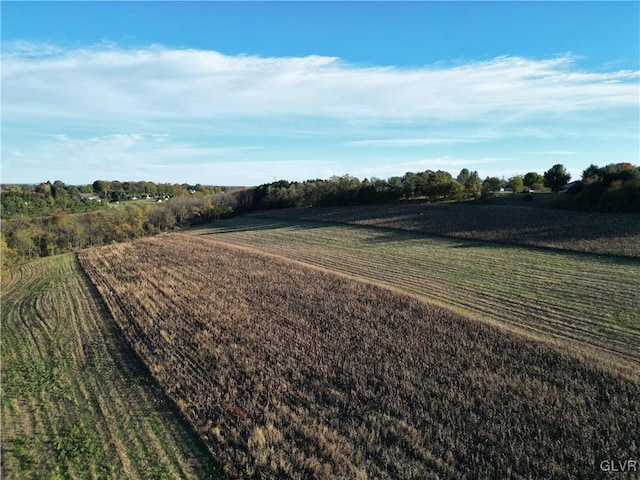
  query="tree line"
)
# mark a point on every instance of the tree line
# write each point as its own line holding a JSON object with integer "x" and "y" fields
{"x": 26, "y": 237}
{"x": 58, "y": 226}
{"x": 48, "y": 198}
{"x": 612, "y": 188}
{"x": 428, "y": 185}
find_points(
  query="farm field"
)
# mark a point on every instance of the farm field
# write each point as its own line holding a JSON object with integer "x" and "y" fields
{"x": 587, "y": 302}
{"x": 591, "y": 232}
{"x": 77, "y": 403}
{"x": 290, "y": 371}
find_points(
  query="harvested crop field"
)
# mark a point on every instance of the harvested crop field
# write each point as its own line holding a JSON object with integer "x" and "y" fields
{"x": 591, "y": 232}
{"x": 77, "y": 403}
{"x": 288, "y": 371}
{"x": 588, "y": 302}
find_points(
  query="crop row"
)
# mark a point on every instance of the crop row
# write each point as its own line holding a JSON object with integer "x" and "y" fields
{"x": 589, "y": 232}
{"x": 592, "y": 301}
{"x": 76, "y": 402}
{"x": 287, "y": 371}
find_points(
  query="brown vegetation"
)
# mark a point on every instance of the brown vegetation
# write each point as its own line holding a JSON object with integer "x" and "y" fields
{"x": 600, "y": 233}
{"x": 292, "y": 372}
{"x": 587, "y": 302}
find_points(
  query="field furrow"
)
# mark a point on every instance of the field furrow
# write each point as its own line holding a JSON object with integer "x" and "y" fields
{"x": 76, "y": 401}
{"x": 589, "y": 300}
{"x": 590, "y": 232}
{"x": 291, "y": 371}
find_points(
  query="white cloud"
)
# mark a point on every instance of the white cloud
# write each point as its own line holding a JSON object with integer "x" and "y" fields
{"x": 550, "y": 152}
{"x": 27, "y": 49}
{"x": 132, "y": 156}
{"x": 410, "y": 142}
{"x": 153, "y": 84}
{"x": 194, "y": 115}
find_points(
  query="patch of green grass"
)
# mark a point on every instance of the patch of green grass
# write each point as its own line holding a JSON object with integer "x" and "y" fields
{"x": 126, "y": 203}
{"x": 22, "y": 450}
{"x": 77, "y": 446}
{"x": 626, "y": 318}
{"x": 74, "y": 394}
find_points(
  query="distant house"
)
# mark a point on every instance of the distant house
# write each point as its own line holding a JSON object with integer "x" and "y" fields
{"x": 89, "y": 196}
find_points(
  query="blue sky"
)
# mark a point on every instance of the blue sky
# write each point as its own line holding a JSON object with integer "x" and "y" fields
{"x": 242, "y": 93}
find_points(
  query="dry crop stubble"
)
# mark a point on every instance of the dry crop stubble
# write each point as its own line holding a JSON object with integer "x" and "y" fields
{"x": 587, "y": 302}
{"x": 288, "y": 371}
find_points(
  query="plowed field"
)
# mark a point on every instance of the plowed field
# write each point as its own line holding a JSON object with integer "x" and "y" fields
{"x": 288, "y": 371}
{"x": 585, "y": 301}
{"x": 589, "y": 232}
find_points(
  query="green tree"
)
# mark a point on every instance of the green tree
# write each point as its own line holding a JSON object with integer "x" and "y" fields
{"x": 532, "y": 179}
{"x": 463, "y": 176}
{"x": 556, "y": 177}
{"x": 409, "y": 184}
{"x": 591, "y": 174}
{"x": 457, "y": 191}
{"x": 100, "y": 187}
{"x": 13, "y": 205}
{"x": 395, "y": 187}
{"x": 438, "y": 185}
{"x": 473, "y": 185}
{"x": 58, "y": 190}
{"x": 9, "y": 255}
{"x": 491, "y": 184}
{"x": 118, "y": 196}
{"x": 44, "y": 188}
{"x": 516, "y": 183}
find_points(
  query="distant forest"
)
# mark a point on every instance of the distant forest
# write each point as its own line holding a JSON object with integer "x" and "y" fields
{"x": 51, "y": 218}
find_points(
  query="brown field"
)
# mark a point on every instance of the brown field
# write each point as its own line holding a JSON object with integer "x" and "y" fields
{"x": 288, "y": 371}
{"x": 586, "y": 302}
{"x": 592, "y": 232}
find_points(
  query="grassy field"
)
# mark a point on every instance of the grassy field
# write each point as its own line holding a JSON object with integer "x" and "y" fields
{"x": 76, "y": 401}
{"x": 588, "y": 302}
{"x": 289, "y": 371}
{"x": 132, "y": 203}
{"x": 591, "y": 232}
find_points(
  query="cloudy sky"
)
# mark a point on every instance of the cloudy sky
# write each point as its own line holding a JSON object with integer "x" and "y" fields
{"x": 242, "y": 93}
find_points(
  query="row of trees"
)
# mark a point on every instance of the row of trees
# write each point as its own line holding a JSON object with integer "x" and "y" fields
{"x": 48, "y": 198}
{"x": 428, "y": 185}
{"x": 44, "y": 199}
{"x": 117, "y": 190}
{"x": 25, "y": 238}
{"x": 26, "y": 235}
{"x": 612, "y": 188}
{"x": 615, "y": 187}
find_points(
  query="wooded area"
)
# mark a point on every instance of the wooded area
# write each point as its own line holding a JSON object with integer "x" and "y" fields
{"x": 53, "y": 218}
